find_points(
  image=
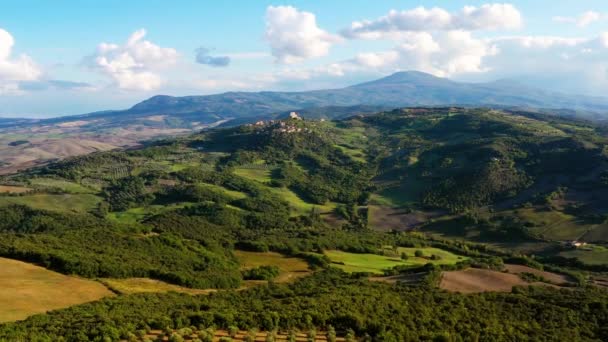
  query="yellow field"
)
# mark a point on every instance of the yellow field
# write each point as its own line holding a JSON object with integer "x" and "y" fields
{"x": 13, "y": 189}
{"x": 26, "y": 289}
{"x": 139, "y": 285}
{"x": 291, "y": 268}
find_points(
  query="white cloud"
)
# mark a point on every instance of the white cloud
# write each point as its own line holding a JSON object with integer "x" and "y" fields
{"x": 584, "y": 19}
{"x": 134, "y": 65}
{"x": 14, "y": 69}
{"x": 443, "y": 54}
{"x": 569, "y": 64}
{"x": 485, "y": 17}
{"x": 293, "y": 35}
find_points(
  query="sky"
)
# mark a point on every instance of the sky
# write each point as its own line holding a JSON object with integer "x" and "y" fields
{"x": 71, "y": 57}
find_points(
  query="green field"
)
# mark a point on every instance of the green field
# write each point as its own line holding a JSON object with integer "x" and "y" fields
{"x": 375, "y": 263}
{"x": 355, "y": 154}
{"x": 231, "y": 193}
{"x": 590, "y": 254}
{"x": 65, "y": 202}
{"x": 66, "y": 186}
{"x": 135, "y": 215}
{"x": 553, "y": 225}
{"x": 143, "y": 285}
{"x": 399, "y": 196}
{"x": 259, "y": 174}
{"x": 297, "y": 205}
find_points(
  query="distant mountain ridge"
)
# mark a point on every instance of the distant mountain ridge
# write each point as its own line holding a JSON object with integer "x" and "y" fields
{"x": 401, "y": 89}
{"x": 163, "y": 115}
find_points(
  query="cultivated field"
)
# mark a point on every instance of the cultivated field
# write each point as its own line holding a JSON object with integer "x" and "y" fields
{"x": 590, "y": 254}
{"x": 13, "y": 189}
{"x": 26, "y": 289}
{"x": 474, "y": 280}
{"x": 375, "y": 263}
{"x": 69, "y": 187}
{"x": 65, "y": 202}
{"x": 553, "y": 278}
{"x": 291, "y": 268}
{"x": 139, "y": 285}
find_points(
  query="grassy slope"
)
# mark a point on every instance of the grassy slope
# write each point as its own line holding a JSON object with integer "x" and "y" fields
{"x": 374, "y": 263}
{"x": 61, "y": 202}
{"x": 66, "y": 186}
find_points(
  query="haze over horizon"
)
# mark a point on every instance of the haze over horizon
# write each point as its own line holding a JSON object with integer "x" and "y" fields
{"x": 70, "y": 66}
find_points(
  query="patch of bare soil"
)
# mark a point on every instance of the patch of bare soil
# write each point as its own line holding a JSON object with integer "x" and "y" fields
{"x": 474, "y": 280}
{"x": 554, "y": 278}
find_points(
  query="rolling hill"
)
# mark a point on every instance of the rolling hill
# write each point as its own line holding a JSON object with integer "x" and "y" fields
{"x": 401, "y": 197}
{"x": 162, "y": 115}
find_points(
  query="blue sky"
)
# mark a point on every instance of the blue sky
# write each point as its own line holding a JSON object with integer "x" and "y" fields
{"x": 52, "y": 61}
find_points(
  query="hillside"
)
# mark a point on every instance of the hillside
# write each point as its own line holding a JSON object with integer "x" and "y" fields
{"x": 517, "y": 180}
{"x": 162, "y": 116}
{"x": 299, "y": 214}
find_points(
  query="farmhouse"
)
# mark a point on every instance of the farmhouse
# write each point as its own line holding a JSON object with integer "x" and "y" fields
{"x": 575, "y": 243}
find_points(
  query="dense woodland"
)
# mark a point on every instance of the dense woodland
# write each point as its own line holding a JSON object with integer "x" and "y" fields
{"x": 378, "y": 312}
{"x": 176, "y": 210}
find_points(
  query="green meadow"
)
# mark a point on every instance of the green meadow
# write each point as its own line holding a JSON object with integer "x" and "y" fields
{"x": 376, "y": 263}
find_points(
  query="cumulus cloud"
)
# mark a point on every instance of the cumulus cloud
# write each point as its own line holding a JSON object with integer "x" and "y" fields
{"x": 470, "y": 18}
{"x": 14, "y": 69}
{"x": 582, "y": 20}
{"x": 293, "y": 35}
{"x": 135, "y": 64}
{"x": 443, "y": 54}
{"x": 203, "y": 57}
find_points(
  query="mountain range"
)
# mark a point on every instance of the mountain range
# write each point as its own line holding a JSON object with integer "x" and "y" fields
{"x": 40, "y": 140}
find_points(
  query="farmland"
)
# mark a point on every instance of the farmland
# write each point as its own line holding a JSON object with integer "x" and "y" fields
{"x": 13, "y": 189}
{"x": 63, "y": 185}
{"x": 290, "y": 268}
{"x": 474, "y": 280}
{"x": 54, "y": 202}
{"x": 143, "y": 285}
{"x": 590, "y": 254}
{"x": 28, "y": 289}
{"x": 376, "y": 263}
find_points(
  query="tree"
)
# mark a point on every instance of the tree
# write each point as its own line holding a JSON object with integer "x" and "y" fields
{"x": 331, "y": 334}
{"x": 233, "y": 330}
{"x": 350, "y": 336}
{"x": 419, "y": 253}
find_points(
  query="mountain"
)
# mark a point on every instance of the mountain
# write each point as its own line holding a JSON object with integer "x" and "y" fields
{"x": 410, "y": 88}
{"x": 400, "y": 89}
{"x": 163, "y": 115}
